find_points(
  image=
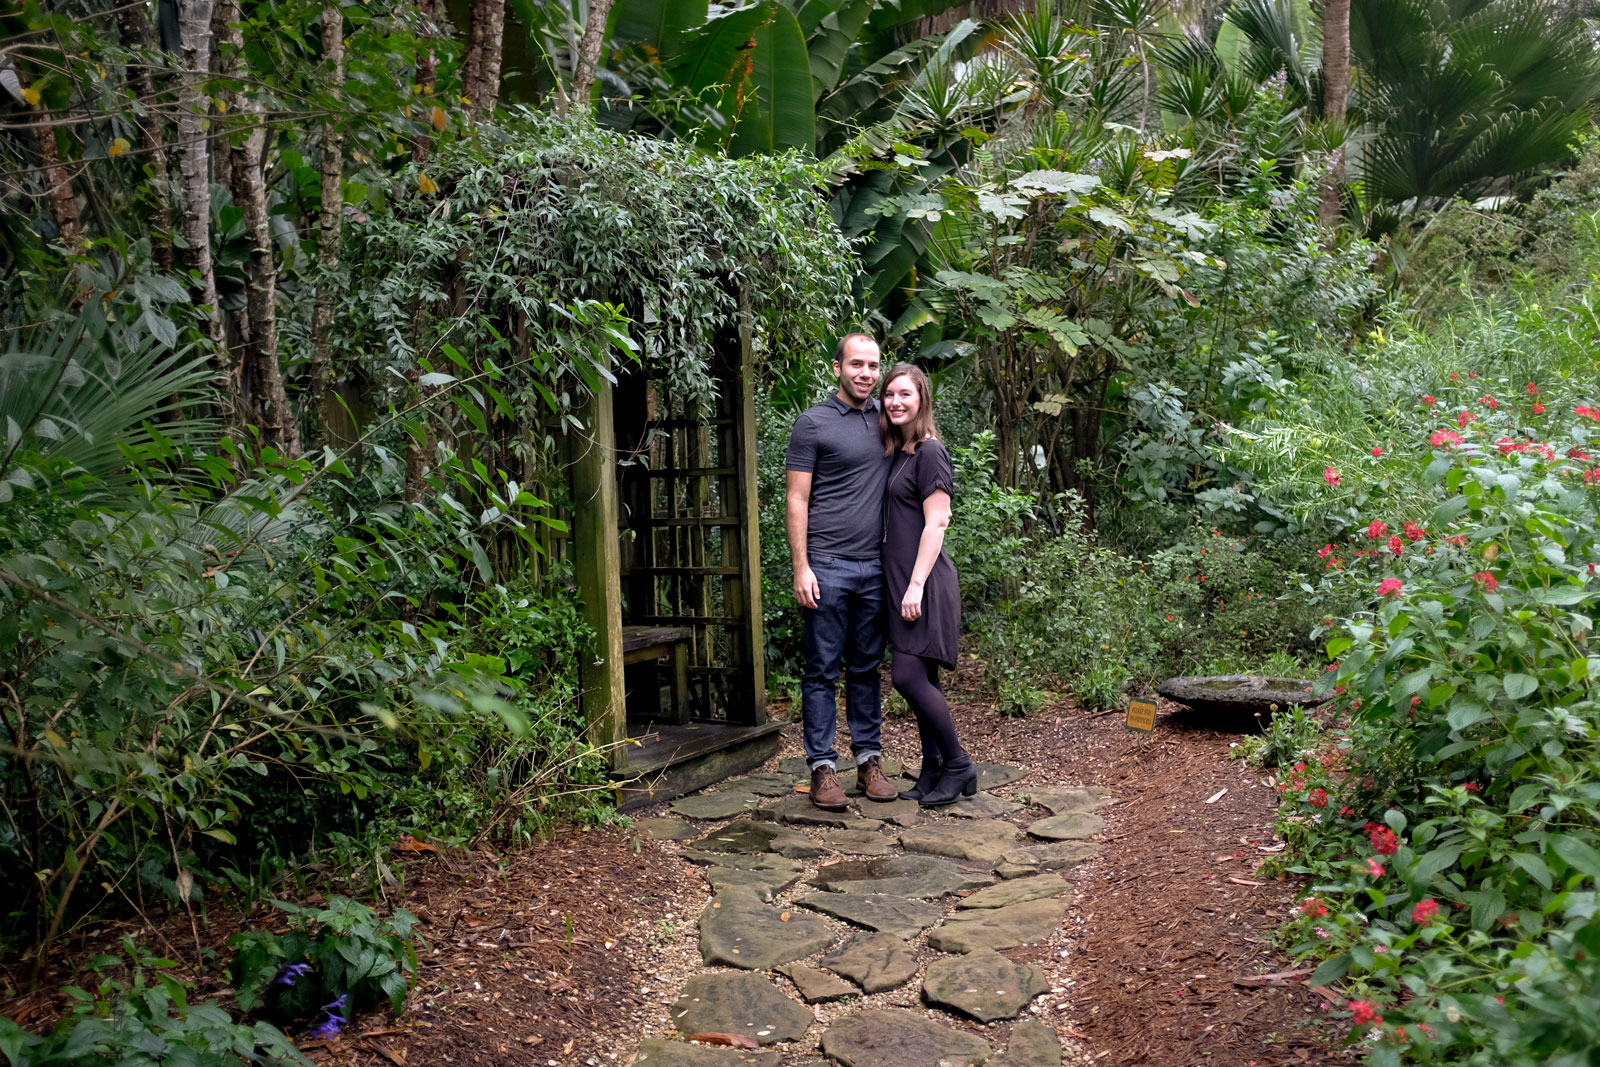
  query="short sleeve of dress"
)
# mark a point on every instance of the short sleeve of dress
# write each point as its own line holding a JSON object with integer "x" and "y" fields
{"x": 802, "y": 454}
{"x": 933, "y": 470}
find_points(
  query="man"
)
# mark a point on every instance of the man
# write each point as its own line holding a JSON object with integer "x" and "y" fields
{"x": 836, "y": 472}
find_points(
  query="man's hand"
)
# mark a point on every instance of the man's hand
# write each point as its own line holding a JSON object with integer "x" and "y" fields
{"x": 911, "y": 603}
{"x": 806, "y": 589}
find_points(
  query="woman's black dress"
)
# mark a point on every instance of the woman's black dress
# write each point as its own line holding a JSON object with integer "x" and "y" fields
{"x": 913, "y": 478}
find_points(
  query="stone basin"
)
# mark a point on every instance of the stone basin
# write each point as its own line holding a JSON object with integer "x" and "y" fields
{"x": 1240, "y": 694}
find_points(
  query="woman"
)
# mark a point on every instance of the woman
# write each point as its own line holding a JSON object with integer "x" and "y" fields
{"x": 924, "y": 598}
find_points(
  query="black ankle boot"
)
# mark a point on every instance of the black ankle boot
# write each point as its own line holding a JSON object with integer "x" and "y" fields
{"x": 958, "y": 778}
{"x": 927, "y": 777}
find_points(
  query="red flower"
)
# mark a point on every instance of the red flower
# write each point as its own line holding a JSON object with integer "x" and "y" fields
{"x": 1347, "y": 810}
{"x": 1362, "y": 1012}
{"x": 1325, "y": 551}
{"x": 1374, "y": 868}
{"x": 1454, "y": 377}
{"x": 1313, "y": 908}
{"x": 1318, "y": 798}
{"x": 1429, "y": 401}
{"x": 1538, "y": 408}
{"x": 1490, "y": 402}
{"x": 1486, "y": 581}
{"x": 1377, "y": 451}
{"x": 1384, "y": 843}
{"x": 1587, "y": 412}
{"x": 1473, "y": 787}
{"x": 1424, "y": 912}
{"x": 1389, "y": 587}
{"x": 1395, "y": 544}
{"x": 1533, "y": 390}
{"x": 1331, "y": 476}
{"x": 1414, "y": 531}
{"x": 1576, "y": 453}
{"x": 1508, "y": 446}
{"x": 1376, "y": 529}
{"x": 1445, "y": 439}
{"x": 1465, "y": 418}
{"x": 1592, "y": 477}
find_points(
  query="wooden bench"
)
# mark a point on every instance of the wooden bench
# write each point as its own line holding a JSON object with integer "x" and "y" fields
{"x": 649, "y": 644}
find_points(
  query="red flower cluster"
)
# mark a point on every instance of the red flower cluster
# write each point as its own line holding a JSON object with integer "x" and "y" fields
{"x": 1374, "y": 868}
{"x": 1424, "y": 912}
{"x": 1428, "y": 401}
{"x": 1587, "y": 412}
{"x": 1395, "y": 544}
{"x": 1389, "y": 587}
{"x": 1313, "y": 908}
{"x": 1486, "y": 581}
{"x": 1331, "y": 476}
{"x": 1445, "y": 439}
{"x": 1415, "y": 531}
{"x": 1592, "y": 477}
{"x": 1377, "y": 529}
{"x": 1325, "y": 551}
{"x": 1318, "y": 798}
{"x": 1533, "y": 390}
{"x": 1364, "y": 1012}
{"x": 1507, "y": 446}
{"x": 1377, "y": 451}
{"x": 1490, "y": 402}
{"x": 1384, "y": 843}
{"x": 1538, "y": 408}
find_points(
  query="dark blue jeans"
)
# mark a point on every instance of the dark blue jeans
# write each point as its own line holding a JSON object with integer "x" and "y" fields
{"x": 847, "y": 628}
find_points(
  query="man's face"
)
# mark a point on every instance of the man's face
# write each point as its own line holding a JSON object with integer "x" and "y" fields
{"x": 859, "y": 371}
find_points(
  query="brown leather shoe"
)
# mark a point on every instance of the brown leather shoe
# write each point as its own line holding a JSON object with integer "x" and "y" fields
{"x": 870, "y": 780}
{"x": 826, "y": 792}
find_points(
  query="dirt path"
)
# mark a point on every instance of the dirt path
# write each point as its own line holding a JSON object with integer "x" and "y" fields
{"x": 580, "y": 953}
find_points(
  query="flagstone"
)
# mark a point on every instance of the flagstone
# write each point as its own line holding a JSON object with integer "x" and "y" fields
{"x": 817, "y": 986}
{"x": 894, "y": 1037}
{"x": 1037, "y": 859}
{"x": 1017, "y": 891}
{"x": 1071, "y": 826}
{"x": 981, "y": 806}
{"x": 986, "y": 840}
{"x": 740, "y": 1002}
{"x": 665, "y": 829}
{"x": 898, "y": 915}
{"x": 797, "y": 810}
{"x": 874, "y": 961}
{"x": 740, "y": 930}
{"x": 995, "y": 775}
{"x": 746, "y": 835}
{"x": 658, "y": 1053}
{"x": 859, "y": 842}
{"x": 997, "y": 928}
{"x": 715, "y": 805}
{"x": 767, "y": 882}
{"x": 1061, "y": 800}
{"x": 1032, "y": 1044}
{"x": 907, "y": 876}
{"x": 983, "y": 984}
{"x": 764, "y": 783}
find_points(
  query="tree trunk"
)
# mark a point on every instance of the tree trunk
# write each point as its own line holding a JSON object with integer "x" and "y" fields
{"x": 1335, "y": 88}
{"x": 134, "y": 24}
{"x": 594, "y": 32}
{"x": 332, "y": 216}
{"x": 480, "y": 73}
{"x": 279, "y": 429}
{"x": 427, "y": 77}
{"x": 58, "y": 184}
{"x": 194, "y": 188}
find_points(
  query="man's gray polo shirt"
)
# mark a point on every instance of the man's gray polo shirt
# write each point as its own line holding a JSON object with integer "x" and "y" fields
{"x": 841, "y": 449}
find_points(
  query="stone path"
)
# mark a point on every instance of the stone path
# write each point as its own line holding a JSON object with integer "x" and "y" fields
{"x": 815, "y": 914}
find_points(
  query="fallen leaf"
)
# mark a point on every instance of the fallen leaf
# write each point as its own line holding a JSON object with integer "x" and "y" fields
{"x": 407, "y": 843}
{"x": 1244, "y": 881}
{"x": 784, "y": 917}
{"x": 732, "y": 1040}
{"x": 1218, "y": 795}
{"x": 1275, "y": 978}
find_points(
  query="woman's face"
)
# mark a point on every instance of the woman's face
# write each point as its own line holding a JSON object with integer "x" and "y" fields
{"x": 900, "y": 400}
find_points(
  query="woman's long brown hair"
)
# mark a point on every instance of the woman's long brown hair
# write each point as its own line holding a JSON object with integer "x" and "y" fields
{"x": 921, "y": 427}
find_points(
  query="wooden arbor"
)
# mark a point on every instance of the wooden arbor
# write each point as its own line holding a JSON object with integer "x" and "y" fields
{"x": 667, "y": 560}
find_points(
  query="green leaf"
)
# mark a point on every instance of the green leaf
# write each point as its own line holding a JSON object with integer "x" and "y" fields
{"x": 781, "y": 113}
{"x": 1519, "y": 685}
{"x": 1579, "y": 854}
{"x": 1331, "y": 970}
{"x": 1436, "y": 861}
{"x": 1535, "y": 866}
{"x": 660, "y": 24}
{"x": 1447, "y": 511}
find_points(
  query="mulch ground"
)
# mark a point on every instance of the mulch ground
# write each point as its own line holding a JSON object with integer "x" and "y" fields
{"x": 545, "y": 957}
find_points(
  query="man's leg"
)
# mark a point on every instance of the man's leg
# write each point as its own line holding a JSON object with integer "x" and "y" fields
{"x": 823, "y": 635}
{"x": 863, "y": 655}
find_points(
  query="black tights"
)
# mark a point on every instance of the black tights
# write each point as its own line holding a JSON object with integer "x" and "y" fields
{"x": 917, "y": 679}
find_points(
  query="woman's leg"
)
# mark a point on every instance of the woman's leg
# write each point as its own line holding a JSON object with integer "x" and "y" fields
{"x": 917, "y": 679}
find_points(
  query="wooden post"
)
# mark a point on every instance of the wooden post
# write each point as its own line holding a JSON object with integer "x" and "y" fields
{"x": 750, "y": 516}
{"x": 597, "y": 566}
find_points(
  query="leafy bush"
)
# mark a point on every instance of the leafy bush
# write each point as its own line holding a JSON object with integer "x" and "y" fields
{"x": 341, "y": 955}
{"x": 1452, "y": 830}
{"x": 144, "y": 1023}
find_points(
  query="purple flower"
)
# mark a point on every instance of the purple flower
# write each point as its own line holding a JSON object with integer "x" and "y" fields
{"x": 290, "y": 974}
{"x": 328, "y": 1020}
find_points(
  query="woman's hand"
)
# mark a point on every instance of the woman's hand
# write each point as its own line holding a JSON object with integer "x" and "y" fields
{"x": 911, "y": 603}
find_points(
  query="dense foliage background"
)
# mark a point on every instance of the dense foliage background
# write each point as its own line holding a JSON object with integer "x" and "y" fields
{"x": 1263, "y": 335}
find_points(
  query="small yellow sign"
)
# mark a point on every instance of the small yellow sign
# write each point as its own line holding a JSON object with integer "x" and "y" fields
{"x": 1142, "y": 715}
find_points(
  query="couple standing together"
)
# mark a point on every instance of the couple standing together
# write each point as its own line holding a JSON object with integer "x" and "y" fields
{"x": 869, "y": 488}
